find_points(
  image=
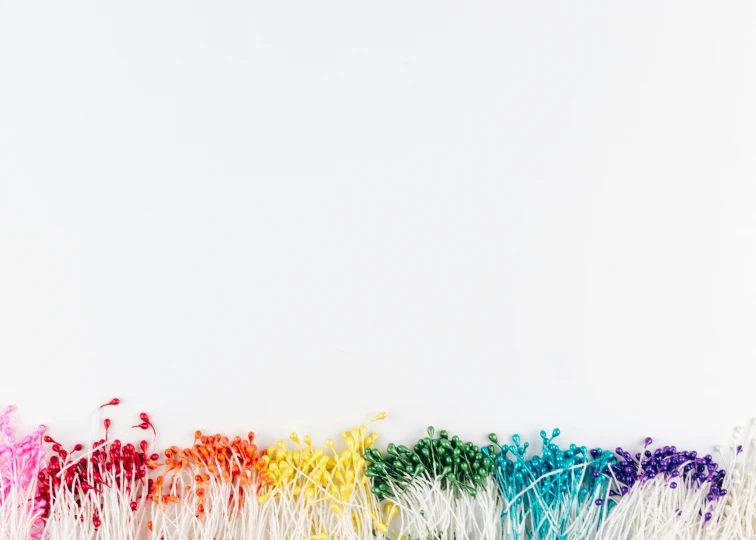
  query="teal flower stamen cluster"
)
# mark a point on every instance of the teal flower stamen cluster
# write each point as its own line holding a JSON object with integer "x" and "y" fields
{"x": 544, "y": 492}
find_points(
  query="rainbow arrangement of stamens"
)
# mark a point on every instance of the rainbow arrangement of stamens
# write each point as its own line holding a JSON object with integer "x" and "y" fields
{"x": 440, "y": 487}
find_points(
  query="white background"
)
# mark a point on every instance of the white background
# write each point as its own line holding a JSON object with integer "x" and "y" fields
{"x": 290, "y": 215}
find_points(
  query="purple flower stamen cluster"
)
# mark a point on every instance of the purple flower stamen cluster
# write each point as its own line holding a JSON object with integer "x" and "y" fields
{"x": 680, "y": 466}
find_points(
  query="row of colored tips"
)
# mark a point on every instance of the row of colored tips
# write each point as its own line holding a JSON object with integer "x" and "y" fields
{"x": 439, "y": 487}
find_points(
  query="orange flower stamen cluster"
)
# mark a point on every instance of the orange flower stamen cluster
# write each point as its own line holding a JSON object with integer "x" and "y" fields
{"x": 211, "y": 458}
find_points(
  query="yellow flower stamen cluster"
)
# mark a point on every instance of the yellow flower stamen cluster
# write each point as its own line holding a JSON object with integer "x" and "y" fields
{"x": 318, "y": 476}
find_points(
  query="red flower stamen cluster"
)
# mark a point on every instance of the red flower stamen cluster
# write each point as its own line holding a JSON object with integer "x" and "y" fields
{"x": 107, "y": 465}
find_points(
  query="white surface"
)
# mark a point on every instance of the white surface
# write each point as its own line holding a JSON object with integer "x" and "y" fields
{"x": 504, "y": 216}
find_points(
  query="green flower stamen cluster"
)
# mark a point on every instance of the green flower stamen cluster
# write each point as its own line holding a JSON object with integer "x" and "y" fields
{"x": 458, "y": 465}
